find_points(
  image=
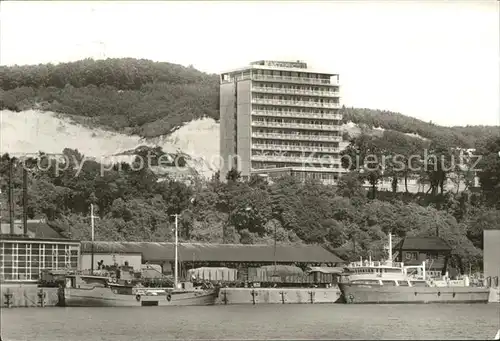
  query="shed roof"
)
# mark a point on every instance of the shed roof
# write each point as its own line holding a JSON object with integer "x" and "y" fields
{"x": 423, "y": 243}
{"x": 152, "y": 251}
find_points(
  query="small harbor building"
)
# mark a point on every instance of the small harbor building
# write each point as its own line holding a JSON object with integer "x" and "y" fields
{"x": 415, "y": 250}
{"x": 197, "y": 255}
{"x": 26, "y": 251}
{"x": 491, "y": 256}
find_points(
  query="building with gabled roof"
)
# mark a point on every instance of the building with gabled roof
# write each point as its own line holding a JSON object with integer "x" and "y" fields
{"x": 415, "y": 250}
{"x": 194, "y": 255}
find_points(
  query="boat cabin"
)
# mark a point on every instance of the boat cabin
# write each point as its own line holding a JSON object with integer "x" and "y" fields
{"x": 369, "y": 267}
{"x": 384, "y": 273}
{"x": 374, "y": 270}
{"x": 391, "y": 282}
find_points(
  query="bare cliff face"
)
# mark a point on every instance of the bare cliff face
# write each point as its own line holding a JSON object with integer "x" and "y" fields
{"x": 32, "y": 131}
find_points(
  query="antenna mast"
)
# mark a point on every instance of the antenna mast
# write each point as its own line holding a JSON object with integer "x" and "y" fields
{"x": 176, "y": 270}
{"x": 92, "y": 227}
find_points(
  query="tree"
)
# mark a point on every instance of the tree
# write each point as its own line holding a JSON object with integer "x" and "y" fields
{"x": 233, "y": 175}
{"x": 364, "y": 154}
{"x": 403, "y": 156}
{"x": 350, "y": 185}
{"x": 483, "y": 219}
{"x": 489, "y": 165}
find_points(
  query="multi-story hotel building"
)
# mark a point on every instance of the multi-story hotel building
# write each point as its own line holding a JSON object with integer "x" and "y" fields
{"x": 280, "y": 117}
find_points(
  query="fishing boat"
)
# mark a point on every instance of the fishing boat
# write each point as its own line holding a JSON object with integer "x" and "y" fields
{"x": 393, "y": 282}
{"x": 98, "y": 291}
{"x": 125, "y": 290}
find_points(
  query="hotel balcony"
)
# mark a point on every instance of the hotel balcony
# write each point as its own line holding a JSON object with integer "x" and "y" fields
{"x": 296, "y": 125}
{"x": 321, "y": 169}
{"x": 290, "y": 91}
{"x": 296, "y": 137}
{"x": 280, "y": 147}
{"x": 299, "y": 80}
{"x": 296, "y": 114}
{"x": 310, "y": 104}
{"x": 326, "y": 161}
{"x": 324, "y": 169}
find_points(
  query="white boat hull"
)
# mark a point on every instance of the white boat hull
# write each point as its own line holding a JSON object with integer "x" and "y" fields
{"x": 105, "y": 297}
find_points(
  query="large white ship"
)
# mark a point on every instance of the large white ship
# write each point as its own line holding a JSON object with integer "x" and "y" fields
{"x": 393, "y": 282}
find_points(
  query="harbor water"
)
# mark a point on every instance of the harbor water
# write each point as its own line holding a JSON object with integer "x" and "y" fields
{"x": 257, "y": 322}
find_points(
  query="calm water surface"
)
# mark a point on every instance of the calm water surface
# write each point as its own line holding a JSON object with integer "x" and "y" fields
{"x": 238, "y": 322}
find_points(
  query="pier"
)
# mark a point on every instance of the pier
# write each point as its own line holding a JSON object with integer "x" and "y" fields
{"x": 29, "y": 296}
{"x": 254, "y": 296}
{"x": 494, "y": 295}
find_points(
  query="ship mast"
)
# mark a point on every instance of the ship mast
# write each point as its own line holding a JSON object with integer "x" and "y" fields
{"x": 176, "y": 251}
{"x": 390, "y": 248}
{"x": 92, "y": 245}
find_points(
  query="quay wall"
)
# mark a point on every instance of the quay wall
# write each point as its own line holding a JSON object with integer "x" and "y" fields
{"x": 22, "y": 295}
{"x": 278, "y": 295}
{"x": 494, "y": 295}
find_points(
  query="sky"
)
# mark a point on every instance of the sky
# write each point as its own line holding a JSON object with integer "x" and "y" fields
{"x": 434, "y": 60}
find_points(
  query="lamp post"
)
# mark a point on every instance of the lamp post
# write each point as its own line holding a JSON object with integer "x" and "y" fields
{"x": 274, "y": 257}
{"x": 274, "y": 223}
{"x": 11, "y": 195}
{"x": 92, "y": 237}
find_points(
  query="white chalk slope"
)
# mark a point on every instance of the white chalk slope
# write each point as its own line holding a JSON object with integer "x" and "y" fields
{"x": 32, "y": 131}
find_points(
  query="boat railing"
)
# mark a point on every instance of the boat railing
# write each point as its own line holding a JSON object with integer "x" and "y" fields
{"x": 102, "y": 273}
{"x": 367, "y": 263}
{"x": 150, "y": 291}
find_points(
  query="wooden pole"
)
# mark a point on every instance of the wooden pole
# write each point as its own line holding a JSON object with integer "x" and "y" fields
{"x": 11, "y": 196}
{"x": 92, "y": 245}
{"x": 25, "y": 201}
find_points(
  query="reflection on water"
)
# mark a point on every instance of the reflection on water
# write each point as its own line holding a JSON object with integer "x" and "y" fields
{"x": 237, "y": 322}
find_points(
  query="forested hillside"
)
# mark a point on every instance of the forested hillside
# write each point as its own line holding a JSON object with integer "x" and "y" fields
{"x": 127, "y": 95}
{"x": 151, "y": 99}
{"x": 464, "y": 137}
